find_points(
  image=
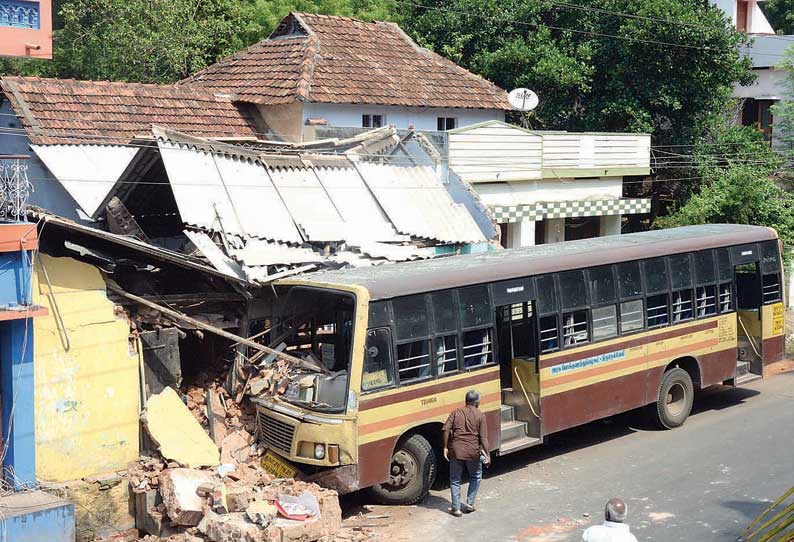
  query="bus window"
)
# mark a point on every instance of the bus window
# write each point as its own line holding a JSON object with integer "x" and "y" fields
{"x": 706, "y": 300}
{"x": 549, "y": 334}
{"x": 445, "y": 311}
{"x": 477, "y": 348}
{"x": 410, "y": 317}
{"x": 629, "y": 281}
{"x": 605, "y": 322}
{"x": 446, "y": 354}
{"x": 631, "y": 316}
{"x": 547, "y": 296}
{"x": 573, "y": 290}
{"x": 704, "y": 267}
{"x": 602, "y": 285}
{"x": 656, "y": 312}
{"x": 378, "y": 367}
{"x": 475, "y": 306}
{"x": 413, "y": 360}
{"x": 771, "y": 288}
{"x": 656, "y": 275}
{"x": 574, "y": 328}
{"x": 726, "y": 298}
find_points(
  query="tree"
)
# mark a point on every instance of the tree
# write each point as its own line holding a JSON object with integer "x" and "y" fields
{"x": 783, "y": 111}
{"x": 738, "y": 185}
{"x": 608, "y": 65}
{"x": 780, "y": 14}
{"x": 162, "y": 41}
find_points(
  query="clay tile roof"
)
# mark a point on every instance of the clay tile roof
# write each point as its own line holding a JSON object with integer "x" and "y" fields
{"x": 330, "y": 59}
{"x": 69, "y": 111}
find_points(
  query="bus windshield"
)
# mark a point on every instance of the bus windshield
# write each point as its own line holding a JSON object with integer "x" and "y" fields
{"x": 315, "y": 325}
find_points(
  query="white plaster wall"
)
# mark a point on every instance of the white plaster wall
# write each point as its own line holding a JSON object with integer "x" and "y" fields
{"x": 422, "y": 118}
{"x": 728, "y": 7}
{"x": 769, "y": 85}
{"x": 524, "y": 192}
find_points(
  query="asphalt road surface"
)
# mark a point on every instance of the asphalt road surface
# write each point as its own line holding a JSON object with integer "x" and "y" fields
{"x": 701, "y": 482}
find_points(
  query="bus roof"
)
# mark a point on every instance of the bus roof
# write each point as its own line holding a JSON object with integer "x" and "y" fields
{"x": 393, "y": 280}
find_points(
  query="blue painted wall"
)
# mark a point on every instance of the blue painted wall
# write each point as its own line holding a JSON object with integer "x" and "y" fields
{"x": 37, "y": 517}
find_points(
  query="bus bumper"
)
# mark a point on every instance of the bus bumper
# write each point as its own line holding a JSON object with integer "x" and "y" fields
{"x": 342, "y": 479}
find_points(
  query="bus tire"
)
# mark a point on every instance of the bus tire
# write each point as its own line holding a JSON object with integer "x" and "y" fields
{"x": 676, "y": 394}
{"x": 412, "y": 472}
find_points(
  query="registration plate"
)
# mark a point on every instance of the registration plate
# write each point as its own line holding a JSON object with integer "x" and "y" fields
{"x": 277, "y": 466}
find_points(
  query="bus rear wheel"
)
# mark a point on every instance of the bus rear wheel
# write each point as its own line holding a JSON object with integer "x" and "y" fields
{"x": 676, "y": 394}
{"x": 412, "y": 472}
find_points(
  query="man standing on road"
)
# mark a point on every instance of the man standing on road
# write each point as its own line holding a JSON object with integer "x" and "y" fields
{"x": 466, "y": 444}
{"x": 613, "y": 529}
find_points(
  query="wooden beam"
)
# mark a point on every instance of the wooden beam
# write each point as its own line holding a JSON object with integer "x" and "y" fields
{"x": 176, "y": 315}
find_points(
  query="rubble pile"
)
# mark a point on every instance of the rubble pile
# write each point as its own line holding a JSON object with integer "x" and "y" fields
{"x": 193, "y": 489}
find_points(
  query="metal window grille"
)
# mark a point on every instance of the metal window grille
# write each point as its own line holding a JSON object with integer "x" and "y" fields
{"x": 706, "y": 301}
{"x": 726, "y": 297}
{"x": 657, "y": 311}
{"x": 631, "y": 316}
{"x": 20, "y": 14}
{"x": 477, "y": 348}
{"x": 413, "y": 360}
{"x": 549, "y": 340}
{"x": 574, "y": 328}
{"x": 15, "y": 188}
{"x": 771, "y": 288}
{"x": 605, "y": 322}
{"x": 447, "y": 354}
{"x": 682, "y": 306}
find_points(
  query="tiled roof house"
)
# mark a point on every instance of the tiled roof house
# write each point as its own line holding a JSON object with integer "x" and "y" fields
{"x": 349, "y": 72}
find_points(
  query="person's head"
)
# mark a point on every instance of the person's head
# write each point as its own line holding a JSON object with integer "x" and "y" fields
{"x": 473, "y": 398}
{"x": 615, "y": 510}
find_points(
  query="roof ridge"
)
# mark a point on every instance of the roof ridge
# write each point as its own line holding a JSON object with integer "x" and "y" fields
{"x": 90, "y": 82}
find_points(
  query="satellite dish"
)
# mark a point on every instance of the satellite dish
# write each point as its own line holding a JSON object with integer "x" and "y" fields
{"x": 523, "y": 99}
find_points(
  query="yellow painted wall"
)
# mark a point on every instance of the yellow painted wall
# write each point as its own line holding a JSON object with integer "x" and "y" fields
{"x": 87, "y": 398}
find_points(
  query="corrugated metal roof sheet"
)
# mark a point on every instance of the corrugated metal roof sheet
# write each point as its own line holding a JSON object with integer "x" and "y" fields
{"x": 309, "y": 204}
{"x": 232, "y": 194}
{"x": 257, "y": 253}
{"x": 364, "y": 218}
{"x": 87, "y": 172}
{"x": 418, "y": 204}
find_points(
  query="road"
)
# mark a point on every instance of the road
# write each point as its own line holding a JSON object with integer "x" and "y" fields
{"x": 701, "y": 482}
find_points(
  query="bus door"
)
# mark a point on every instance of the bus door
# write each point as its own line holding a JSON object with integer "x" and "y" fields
{"x": 749, "y": 302}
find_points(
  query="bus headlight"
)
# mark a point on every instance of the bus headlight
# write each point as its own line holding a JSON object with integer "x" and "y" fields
{"x": 319, "y": 451}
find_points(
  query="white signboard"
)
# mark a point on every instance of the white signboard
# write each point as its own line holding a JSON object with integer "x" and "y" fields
{"x": 523, "y": 99}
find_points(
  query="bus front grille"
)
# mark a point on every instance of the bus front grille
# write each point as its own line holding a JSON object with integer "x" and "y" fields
{"x": 275, "y": 433}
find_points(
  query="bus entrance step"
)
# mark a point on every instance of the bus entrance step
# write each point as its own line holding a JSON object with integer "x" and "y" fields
{"x": 513, "y": 430}
{"x": 746, "y": 378}
{"x": 742, "y": 368}
{"x": 515, "y": 445}
{"x": 508, "y": 413}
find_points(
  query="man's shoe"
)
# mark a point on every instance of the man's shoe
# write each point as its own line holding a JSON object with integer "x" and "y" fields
{"x": 456, "y": 513}
{"x": 468, "y": 508}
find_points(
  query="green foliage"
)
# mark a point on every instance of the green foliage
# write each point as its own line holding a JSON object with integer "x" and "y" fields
{"x": 738, "y": 185}
{"x": 780, "y": 14}
{"x": 162, "y": 41}
{"x": 587, "y": 80}
{"x": 783, "y": 111}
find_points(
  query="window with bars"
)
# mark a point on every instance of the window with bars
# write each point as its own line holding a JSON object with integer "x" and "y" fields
{"x": 726, "y": 297}
{"x": 771, "y": 288}
{"x": 413, "y": 360}
{"x": 549, "y": 334}
{"x": 446, "y": 354}
{"x": 682, "y": 306}
{"x": 371, "y": 121}
{"x": 631, "y": 316}
{"x": 706, "y": 300}
{"x": 574, "y": 328}
{"x": 446, "y": 123}
{"x": 657, "y": 312}
{"x": 605, "y": 322}
{"x": 477, "y": 347}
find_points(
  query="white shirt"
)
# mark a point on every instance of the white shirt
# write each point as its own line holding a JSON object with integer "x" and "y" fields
{"x": 610, "y": 531}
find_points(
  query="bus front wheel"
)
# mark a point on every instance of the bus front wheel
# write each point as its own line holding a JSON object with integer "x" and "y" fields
{"x": 412, "y": 472}
{"x": 676, "y": 394}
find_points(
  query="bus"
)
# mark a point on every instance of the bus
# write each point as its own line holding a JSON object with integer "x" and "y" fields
{"x": 552, "y": 336}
